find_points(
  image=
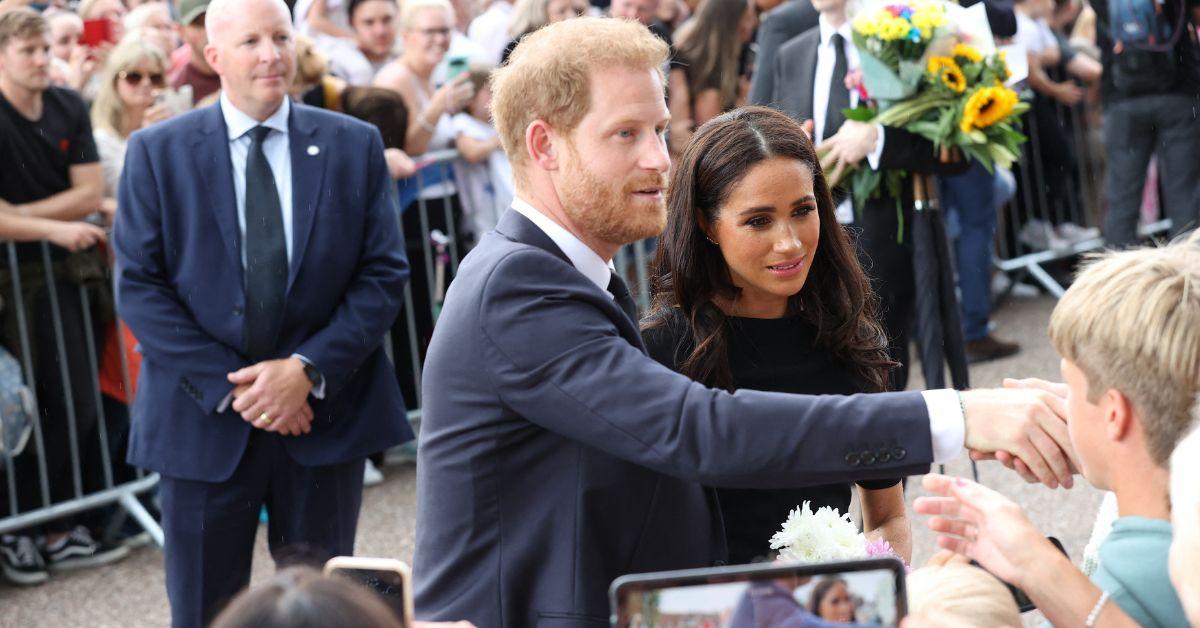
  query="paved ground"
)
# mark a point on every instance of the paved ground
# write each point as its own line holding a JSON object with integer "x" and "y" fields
{"x": 131, "y": 593}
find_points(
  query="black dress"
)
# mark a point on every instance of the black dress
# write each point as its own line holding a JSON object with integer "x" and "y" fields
{"x": 778, "y": 355}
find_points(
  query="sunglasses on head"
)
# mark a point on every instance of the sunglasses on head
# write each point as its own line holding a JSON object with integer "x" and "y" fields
{"x": 134, "y": 78}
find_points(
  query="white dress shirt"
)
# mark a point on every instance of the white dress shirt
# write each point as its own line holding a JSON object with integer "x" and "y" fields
{"x": 946, "y": 420}
{"x": 276, "y": 147}
{"x": 826, "y": 58}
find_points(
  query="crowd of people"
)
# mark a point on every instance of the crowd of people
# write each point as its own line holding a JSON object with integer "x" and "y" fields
{"x": 329, "y": 135}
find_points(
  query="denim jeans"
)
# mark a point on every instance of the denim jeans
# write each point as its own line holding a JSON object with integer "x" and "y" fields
{"x": 971, "y": 197}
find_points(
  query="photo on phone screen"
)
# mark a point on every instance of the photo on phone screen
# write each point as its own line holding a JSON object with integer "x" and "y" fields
{"x": 855, "y": 593}
{"x": 387, "y": 578}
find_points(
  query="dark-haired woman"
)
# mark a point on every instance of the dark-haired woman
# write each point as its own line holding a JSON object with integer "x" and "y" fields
{"x": 830, "y": 600}
{"x": 757, "y": 286}
{"x": 711, "y": 72}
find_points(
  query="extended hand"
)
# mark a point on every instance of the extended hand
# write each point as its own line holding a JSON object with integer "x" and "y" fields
{"x": 1029, "y": 424}
{"x": 849, "y": 146}
{"x": 983, "y": 525}
{"x": 277, "y": 389}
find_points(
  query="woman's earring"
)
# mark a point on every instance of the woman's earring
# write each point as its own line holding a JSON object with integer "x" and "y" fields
{"x": 711, "y": 240}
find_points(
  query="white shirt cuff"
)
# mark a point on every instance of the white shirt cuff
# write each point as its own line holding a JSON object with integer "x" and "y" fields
{"x": 873, "y": 157}
{"x": 318, "y": 390}
{"x": 947, "y": 424}
{"x": 225, "y": 403}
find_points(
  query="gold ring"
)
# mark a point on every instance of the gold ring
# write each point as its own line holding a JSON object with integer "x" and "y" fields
{"x": 265, "y": 418}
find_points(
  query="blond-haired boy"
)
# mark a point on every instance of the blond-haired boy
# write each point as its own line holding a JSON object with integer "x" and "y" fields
{"x": 1128, "y": 331}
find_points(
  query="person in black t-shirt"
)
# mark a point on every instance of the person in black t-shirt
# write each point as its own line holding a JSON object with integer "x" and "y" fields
{"x": 1151, "y": 105}
{"x": 51, "y": 180}
{"x": 743, "y": 297}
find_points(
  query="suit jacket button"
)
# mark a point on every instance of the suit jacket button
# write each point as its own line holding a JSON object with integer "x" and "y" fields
{"x": 898, "y": 453}
{"x": 852, "y": 459}
{"x": 237, "y": 310}
{"x": 883, "y": 455}
{"x": 867, "y": 457}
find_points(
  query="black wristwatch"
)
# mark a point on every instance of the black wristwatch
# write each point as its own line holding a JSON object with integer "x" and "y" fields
{"x": 312, "y": 373}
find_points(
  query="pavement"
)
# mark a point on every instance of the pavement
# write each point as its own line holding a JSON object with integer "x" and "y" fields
{"x": 131, "y": 593}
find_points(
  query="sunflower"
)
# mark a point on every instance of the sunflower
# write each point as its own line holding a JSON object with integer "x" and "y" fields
{"x": 953, "y": 77}
{"x": 935, "y": 64}
{"x": 964, "y": 51}
{"x": 986, "y": 107}
{"x": 948, "y": 71}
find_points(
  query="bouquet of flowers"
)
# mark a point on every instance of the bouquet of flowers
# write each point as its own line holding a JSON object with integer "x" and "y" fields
{"x": 824, "y": 535}
{"x": 930, "y": 68}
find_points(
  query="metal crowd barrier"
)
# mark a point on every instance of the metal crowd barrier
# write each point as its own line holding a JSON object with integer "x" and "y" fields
{"x": 68, "y": 317}
{"x": 1080, "y": 200}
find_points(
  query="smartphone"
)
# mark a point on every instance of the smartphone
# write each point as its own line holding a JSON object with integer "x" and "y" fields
{"x": 455, "y": 67}
{"x": 1024, "y": 604}
{"x": 389, "y": 578}
{"x": 176, "y": 102}
{"x": 96, "y": 32}
{"x": 733, "y": 596}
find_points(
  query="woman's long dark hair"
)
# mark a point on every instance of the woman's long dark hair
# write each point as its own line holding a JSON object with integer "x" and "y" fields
{"x": 820, "y": 591}
{"x": 690, "y": 272}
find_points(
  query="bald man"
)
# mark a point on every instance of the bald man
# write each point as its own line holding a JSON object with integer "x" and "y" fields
{"x": 259, "y": 264}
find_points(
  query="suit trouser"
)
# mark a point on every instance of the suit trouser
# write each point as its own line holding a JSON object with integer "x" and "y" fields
{"x": 889, "y": 265}
{"x": 1134, "y": 129}
{"x": 210, "y": 526}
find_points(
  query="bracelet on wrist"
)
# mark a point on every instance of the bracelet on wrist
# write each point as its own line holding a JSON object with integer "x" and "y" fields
{"x": 432, "y": 128}
{"x": 1095, "y": 614}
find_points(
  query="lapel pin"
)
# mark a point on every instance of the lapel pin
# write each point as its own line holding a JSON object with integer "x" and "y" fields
{"x": 313, "y": 150}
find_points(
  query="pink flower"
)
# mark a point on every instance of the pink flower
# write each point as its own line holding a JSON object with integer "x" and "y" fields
{"x": 854, "y": 82}
{"x": 880, "y": 547}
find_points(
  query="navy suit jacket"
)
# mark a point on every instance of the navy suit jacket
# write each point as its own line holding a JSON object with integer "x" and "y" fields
{"x": 555, "y": 455}
{"x": 179, "y": 287}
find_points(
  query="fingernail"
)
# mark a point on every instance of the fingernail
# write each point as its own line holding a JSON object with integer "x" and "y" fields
{"x": 960, "y": 481}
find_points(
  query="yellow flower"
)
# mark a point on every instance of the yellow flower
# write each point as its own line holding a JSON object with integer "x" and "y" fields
{"x": 954, "y": 79}
{"x": 986, "y": 107}
{"x": 964, "y": 51}
{"x": 936, "y": 64}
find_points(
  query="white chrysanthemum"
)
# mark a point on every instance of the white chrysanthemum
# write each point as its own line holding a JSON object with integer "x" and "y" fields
{"x": 819, "y": 536}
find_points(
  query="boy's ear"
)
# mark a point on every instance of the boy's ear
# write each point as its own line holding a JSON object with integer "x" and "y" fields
{"x": 1119, "y": 416}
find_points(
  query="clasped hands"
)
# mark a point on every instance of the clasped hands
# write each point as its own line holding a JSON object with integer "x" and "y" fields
{"x": 273, "y": 396}
{"x": 1024, "y": 427}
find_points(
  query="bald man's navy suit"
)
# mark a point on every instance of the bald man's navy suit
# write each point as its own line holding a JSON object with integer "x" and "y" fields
{"x": 180, "y": 288}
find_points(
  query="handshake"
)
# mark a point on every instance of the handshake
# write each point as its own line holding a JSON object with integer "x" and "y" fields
{"x": 1024, "y": 426}
{"x": 273, "y": 396}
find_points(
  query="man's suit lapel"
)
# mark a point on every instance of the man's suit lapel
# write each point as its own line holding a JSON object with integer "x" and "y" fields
{"x": 520, "y": 229}
{"x": 211, "y": 150}
{"x": 308, "y": 153}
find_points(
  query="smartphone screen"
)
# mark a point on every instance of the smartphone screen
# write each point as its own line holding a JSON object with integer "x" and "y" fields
{"x": 387, "y": 584}
{"x": 853, "y": 594}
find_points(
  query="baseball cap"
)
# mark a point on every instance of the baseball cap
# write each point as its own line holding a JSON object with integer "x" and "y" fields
{"x": 189, "y": 10}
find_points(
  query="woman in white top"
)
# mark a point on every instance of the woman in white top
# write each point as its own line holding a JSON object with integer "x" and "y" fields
{"x": 134, "y": 74}
{"x": 427, "y": 198}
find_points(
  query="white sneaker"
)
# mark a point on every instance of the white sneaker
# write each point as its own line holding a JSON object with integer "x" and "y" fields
{"x": 371, "y": 474}
{"x": 1074, "y": 234}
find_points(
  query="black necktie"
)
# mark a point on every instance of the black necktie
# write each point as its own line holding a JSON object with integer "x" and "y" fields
{"x": 624, "y": 300}
{"x": 839, "y": 96}
{"x": 266, "y": 253}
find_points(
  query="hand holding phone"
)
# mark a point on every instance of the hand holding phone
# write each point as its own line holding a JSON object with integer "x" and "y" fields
{"x": 388, "y": 578}
{"x": 97, "y": 32}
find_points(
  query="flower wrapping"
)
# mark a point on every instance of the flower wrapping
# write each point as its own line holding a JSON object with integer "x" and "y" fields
{"x": 931, "y": 68}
